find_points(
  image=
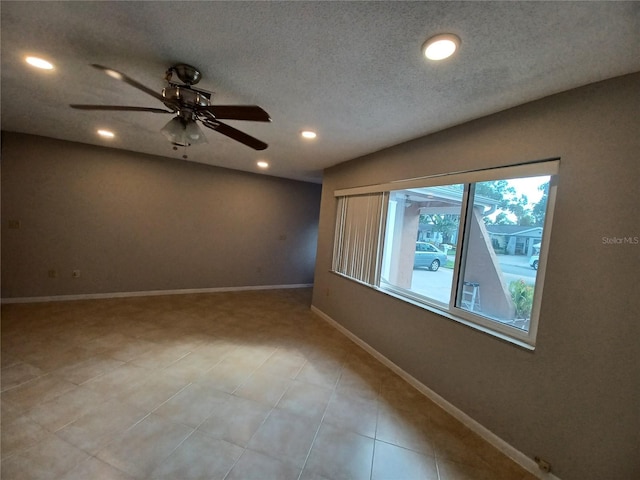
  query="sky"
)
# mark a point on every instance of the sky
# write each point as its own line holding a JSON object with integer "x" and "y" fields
{"x": 529, "y": 187}
{"x": 526, "y": 186}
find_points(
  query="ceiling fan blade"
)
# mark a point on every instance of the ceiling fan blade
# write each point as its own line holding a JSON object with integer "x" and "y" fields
{"x": 235, "y": 134}
{"x": 126, "y": 79}
{"x": 252, "y": 113}
{"x": 120, "y": 108}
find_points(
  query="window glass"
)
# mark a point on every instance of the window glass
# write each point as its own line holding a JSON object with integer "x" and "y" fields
{"x": 503, "y": 237}
{"x": 421, "y": 235}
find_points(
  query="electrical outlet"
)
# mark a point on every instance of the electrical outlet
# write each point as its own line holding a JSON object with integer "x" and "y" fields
{"x": 75, "y": 274}
{"x": 14, "y": 224}
{"x": 543, "y": 464}
{"x": 53, "y": 273}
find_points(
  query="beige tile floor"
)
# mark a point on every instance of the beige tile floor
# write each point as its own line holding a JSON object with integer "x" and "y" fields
{"x": 248, "y": 385}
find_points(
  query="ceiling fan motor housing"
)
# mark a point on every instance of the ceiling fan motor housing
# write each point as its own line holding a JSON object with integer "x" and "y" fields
{"x": 184, "y": 96}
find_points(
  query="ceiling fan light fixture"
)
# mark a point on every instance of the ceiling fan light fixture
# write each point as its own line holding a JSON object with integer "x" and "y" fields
{"x": 39, "y": 63}
{"x": 441, "y": 46}
{"x": 183, "y": 132}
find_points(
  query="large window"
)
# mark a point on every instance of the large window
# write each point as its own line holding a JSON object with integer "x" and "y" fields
{"x": 469, "y": 245}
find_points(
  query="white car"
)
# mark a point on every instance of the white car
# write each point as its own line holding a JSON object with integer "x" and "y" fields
{"x": 533, "y": 261}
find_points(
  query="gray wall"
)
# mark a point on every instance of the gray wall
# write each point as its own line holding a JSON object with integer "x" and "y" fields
{"x": 575, "y": 400}
{"x": 131, "y": 222}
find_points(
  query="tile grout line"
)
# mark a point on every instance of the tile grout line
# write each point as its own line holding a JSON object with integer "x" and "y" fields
{"x": 263, "y": 421}
{"x": 253, "y": 372}
{"x": 275, "y": 406}
{"x": 375, "y": 432}
{"x": 113, "y": 439}
{"x": 324, "y": 413}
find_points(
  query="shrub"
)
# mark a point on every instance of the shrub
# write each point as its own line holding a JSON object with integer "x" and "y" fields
{"x": 522, "y": 296}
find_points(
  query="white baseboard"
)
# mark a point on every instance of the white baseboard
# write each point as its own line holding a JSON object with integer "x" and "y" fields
{"x": 152, "y": 293}
{"x": 514, "y": 454}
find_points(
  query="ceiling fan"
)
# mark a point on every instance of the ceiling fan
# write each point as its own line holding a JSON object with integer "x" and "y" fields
{"x": 191, "y": 105}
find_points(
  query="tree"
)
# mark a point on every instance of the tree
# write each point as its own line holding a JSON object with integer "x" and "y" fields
{"x": 540, "y": 209}
{"x": 501, "y": 219}
{"x": 496, "y": 190}
{"x": 520, "y": 208}
{"x": 509, "y": 202}
{"x": 443, "y": 224}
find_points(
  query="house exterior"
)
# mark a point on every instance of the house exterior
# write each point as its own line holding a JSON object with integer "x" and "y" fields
{"x": 515, "y": 239}
{"x": 443, "y": 201}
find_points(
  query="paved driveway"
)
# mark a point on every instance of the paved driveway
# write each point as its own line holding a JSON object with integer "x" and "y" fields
{"x": 437, "y": 285}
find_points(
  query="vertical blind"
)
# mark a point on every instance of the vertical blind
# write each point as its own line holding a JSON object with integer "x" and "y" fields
{"x": 358, "y": 236}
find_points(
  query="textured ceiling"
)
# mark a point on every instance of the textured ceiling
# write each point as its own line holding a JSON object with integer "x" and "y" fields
{"x": 353, "y": 71}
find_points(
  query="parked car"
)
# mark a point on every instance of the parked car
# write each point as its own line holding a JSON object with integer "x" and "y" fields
{"x": 429, "y": 256}
{"x": 533, "y": 261}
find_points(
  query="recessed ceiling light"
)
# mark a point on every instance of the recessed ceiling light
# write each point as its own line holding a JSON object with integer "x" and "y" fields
{"x": 308, "y": 134}
{"x": 441, "y": 46}
{"x": 39, "y": 63}
{"x": 106, "y": 133}
{"x": 262, "y": 164}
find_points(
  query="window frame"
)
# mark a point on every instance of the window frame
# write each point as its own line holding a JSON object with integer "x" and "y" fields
{"x": 526, "y": 339}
